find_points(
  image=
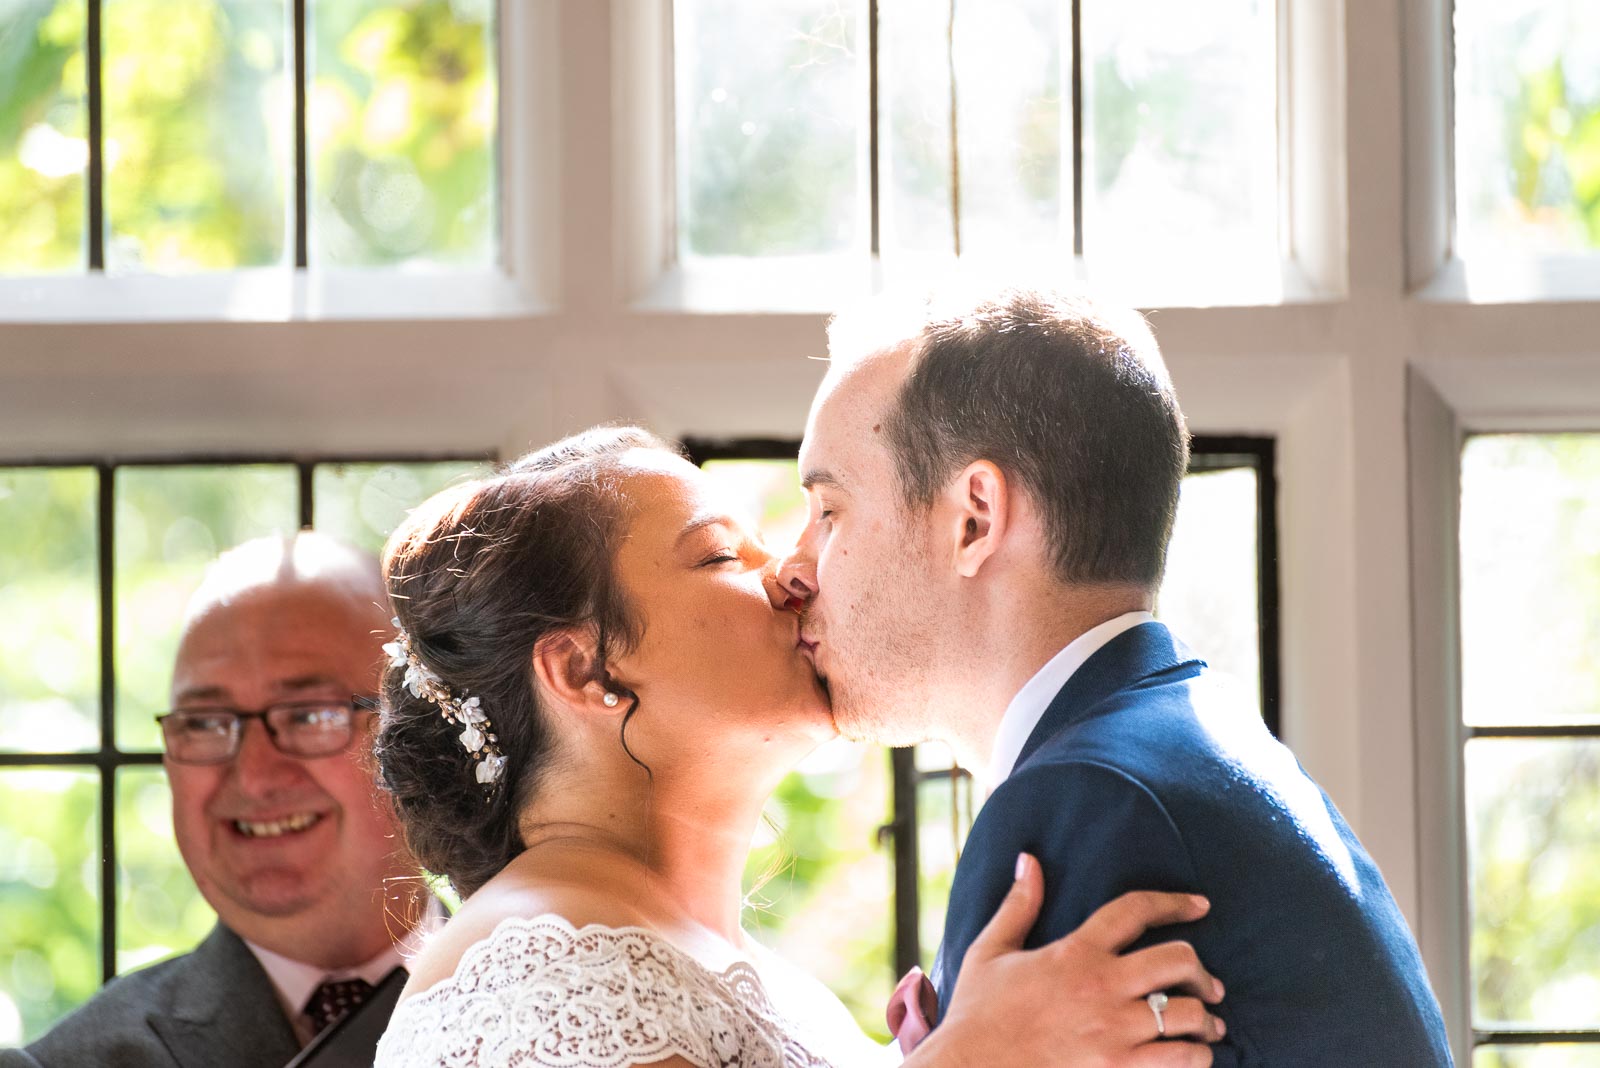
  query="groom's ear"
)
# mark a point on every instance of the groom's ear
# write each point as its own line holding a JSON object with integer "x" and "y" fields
{"x": 978, "y": 503}
{"x": 564, "y": 665}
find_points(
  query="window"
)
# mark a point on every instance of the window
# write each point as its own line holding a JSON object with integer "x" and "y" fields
{"x": 853, "y": 827}
{"x": 1527, "y": 115}
{"x": 96, "y": 562}
{"x": 1530, "y": 629}
{"x": 154, "y": 136}
{"x": 1039, "y": 130}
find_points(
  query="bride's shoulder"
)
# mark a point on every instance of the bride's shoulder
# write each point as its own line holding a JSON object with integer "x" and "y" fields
{"x": 500, "y": 913}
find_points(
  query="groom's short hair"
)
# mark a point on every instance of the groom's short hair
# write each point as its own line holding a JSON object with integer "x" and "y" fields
{"x": 1067, "y": 396}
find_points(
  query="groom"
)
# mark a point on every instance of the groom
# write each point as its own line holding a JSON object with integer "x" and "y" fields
{"x": 992, "y": 488}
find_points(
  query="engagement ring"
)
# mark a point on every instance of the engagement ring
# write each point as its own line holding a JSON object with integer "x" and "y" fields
{"x": 1158, "y": 1005}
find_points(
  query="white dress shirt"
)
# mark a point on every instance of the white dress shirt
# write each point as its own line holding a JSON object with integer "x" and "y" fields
{"x": 295, "y": 981}
{"x": 1028, "y": 707}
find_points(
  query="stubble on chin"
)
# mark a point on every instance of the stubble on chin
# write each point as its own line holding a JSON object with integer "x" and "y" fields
{"x": 875, "y": 717}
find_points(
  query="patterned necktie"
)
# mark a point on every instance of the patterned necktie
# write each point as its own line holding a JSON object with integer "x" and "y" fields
{"x": 331, "y": 1001}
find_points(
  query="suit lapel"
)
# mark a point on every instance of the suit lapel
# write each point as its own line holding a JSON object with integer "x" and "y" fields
{"x": 1132, "y": 656}
{"x": 224, "y": 1009}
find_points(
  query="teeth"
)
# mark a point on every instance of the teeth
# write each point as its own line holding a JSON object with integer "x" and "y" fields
{"x": 274, "y": 828}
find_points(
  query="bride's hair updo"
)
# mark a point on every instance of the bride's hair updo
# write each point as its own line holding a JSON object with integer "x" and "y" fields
{"x": 478, "y": 576}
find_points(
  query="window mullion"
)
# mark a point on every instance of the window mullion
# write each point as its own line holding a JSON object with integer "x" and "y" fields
{"x": 874, "y": 210}
{"x": 907, "y": 870}
{"x": 301, "y": 198}
{"x": 105, "y": 529}
{"x": 96, "y": 207}
{"x": 306, "y": 471}
{"x": 955, "y": 134}
{"x": 1077, "y": 128}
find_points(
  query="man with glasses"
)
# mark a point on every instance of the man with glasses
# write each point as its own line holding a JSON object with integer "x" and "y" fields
{"x": 275, "y": 813}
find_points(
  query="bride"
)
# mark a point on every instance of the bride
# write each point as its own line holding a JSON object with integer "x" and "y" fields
{"x": 595, "y": 685}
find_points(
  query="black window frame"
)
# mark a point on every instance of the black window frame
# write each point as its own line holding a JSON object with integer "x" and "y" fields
{"x": 109, "y": 758}
{"x": 1207, "y": 453}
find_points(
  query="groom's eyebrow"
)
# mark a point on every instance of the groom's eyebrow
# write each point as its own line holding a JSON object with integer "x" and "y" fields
{"x": 818, "y": 477}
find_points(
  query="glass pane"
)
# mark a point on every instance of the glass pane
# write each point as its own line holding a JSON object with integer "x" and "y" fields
{"x": 1530, "y": 578}
{"x": 770, "y": 103}
{"x": 171, "y": 523}
{"x": 819, "y": 886}
{"x": 402, "y": 116}
{"x": 768, "y": 493}
{"x": 1180, "y": 130}
{"x": 43, "y": 129}
{"x": 914, "y": 128}
{"x": 1009, "y": 106}
{"x": 1210, "y": 596}
{"x": 49, "y": 610}
{"x": 1552, "y": 1056}
{"x": 199, "y": 125}
{"x": 1527, "y": 138}
{"x": 1533, "y": 823}
{"x": 49, "y": 898}
{"x": 363, "y": 503}
{"x": 159, "y": 910}
{"x": 945, "y": 811}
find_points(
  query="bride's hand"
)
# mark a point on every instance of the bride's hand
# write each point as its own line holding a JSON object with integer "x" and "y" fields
{"x": 1080, "y": 1000}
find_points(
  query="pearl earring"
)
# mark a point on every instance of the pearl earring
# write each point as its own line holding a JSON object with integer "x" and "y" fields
{"x": 610, "y": 699}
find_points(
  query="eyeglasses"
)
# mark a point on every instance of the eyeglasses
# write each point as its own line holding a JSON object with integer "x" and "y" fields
{"x": 303, "y": 729}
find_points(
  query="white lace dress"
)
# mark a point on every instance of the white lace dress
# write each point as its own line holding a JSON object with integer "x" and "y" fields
{"x": 538, "y": 993}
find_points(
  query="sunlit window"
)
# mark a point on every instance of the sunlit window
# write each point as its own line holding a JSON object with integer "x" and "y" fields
{"x": 1003, "y": 129}
{"x": 1527, "y": 127}
{"x": 80, "y": 776}
{"x": 825, "y": 869}
{"x": 174, "y": 136}
{"x": 1530, "y": 635}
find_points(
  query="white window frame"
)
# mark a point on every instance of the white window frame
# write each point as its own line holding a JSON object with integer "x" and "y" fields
{"x": 1311, "y": 206}
{"x": 1368, "y": 382}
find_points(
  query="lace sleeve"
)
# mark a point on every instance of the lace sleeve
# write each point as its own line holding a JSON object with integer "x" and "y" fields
{"x": 541, "y": 994}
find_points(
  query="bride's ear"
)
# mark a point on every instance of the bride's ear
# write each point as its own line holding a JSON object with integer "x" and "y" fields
{"x": 565, "y": 665}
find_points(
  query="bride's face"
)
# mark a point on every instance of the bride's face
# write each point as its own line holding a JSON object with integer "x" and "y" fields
{"x": 719, "y": 670}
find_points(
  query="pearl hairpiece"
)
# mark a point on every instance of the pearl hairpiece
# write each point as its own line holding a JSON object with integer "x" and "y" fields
{"x": 477, "y": 733}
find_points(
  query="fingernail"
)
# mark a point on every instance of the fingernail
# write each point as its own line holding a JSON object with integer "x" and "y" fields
{"x": 1200, "y": 902}
{"x": 1222, "y": 1027}
{"x": 1217, "y": 986}
{"x": 1022, "y": 864}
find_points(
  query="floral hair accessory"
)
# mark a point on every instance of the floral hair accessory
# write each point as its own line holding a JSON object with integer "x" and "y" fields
{"x": 477, "y": 733}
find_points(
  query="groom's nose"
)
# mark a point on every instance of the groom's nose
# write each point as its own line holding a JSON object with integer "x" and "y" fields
{"x": 797, "y": 577}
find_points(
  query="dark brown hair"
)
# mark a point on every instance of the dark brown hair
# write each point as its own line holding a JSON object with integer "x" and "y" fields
{"x": 1066, "y": 396}
{"x": 478, "y": 576}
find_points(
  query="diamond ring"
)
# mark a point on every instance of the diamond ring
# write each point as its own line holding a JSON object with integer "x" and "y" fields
{"x": 1158, "y": 1005}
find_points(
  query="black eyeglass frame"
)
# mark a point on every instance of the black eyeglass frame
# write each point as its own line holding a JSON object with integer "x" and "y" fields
{"x": 353, "y": 704}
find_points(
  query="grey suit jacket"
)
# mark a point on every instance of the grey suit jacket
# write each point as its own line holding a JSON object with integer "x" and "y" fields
{"x": 209, "y": 1008}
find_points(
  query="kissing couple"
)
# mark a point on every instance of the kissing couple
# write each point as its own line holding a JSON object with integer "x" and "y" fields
{"x": 600, "y": 675}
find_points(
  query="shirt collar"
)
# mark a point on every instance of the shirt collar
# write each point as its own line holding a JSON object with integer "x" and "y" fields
{"x": 295, "y": 981}
{"x": 1028, "y": 707}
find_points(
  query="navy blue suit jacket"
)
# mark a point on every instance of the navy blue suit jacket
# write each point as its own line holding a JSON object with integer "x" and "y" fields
{"x": 1145, "y": 774}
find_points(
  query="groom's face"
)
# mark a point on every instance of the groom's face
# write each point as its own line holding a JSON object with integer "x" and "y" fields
{"x": 865, "y": 566}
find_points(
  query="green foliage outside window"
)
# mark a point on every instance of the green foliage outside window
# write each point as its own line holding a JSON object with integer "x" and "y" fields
{"x": 199, "y": 133}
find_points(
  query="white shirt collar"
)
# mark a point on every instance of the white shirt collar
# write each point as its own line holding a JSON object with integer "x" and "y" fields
{"x": 1028, "y": 707}
{"x": 295, "y": 981}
